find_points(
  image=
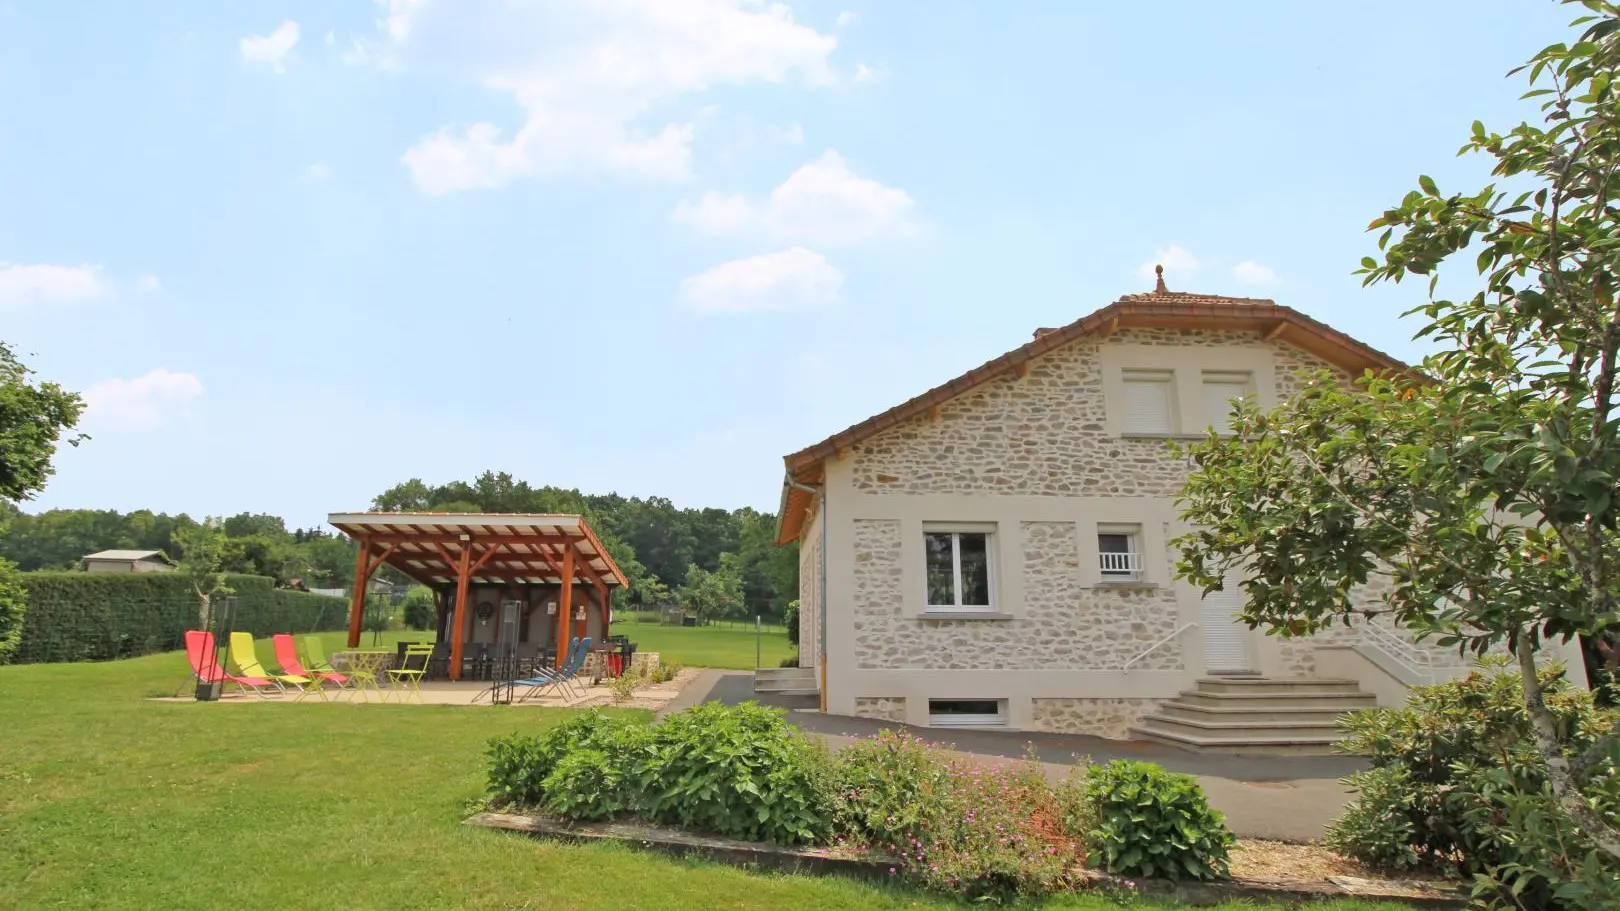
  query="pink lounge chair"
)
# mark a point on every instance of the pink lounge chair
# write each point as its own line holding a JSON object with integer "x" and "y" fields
{"x": 287, "y": 657}
{"x": 200, "y": 651}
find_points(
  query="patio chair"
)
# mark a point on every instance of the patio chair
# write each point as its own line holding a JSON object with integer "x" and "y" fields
{"x": 540, "y": 677}
{"x": 200, "y": 653}
{"x": 564, "y": 677}
{"x": 247, "y": 661}
{"x": 411, "y": 673}
{"x": 287, "y": 656}
{"x": 359, "y": 676}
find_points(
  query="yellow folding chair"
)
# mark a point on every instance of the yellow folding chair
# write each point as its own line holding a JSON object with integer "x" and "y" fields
{"x": 409, "y": 676}
{"x": 247, "y": 661}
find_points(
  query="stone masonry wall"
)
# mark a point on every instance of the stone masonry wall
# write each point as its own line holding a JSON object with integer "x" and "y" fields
{"x": 1040, "y": 435}
{"x": 1065, "y": 626}
{"x": 882, "y": 709}
{"x": 810, "y": 594}
{"x": 1110, "y": 718}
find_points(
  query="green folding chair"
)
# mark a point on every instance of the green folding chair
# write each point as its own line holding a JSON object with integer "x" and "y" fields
{"x": 408, "y": 677}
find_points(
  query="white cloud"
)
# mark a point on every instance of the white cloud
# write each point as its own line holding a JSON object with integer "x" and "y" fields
{"x": 22, "y": 285}
{"x": 863, "y": 73}
{"x": 316, "y": 172}
{"x": 716, "y": 213}
{"x": 823, "y": 202}
{"x": 826, "y": 203}
{"x": 143, "y": 403}
{"x": 148, "y": 284}
{"x": 271, "y": 49}
{"x": 846, "y": 19}
{"x": 586, "y": 77}
{"x": 792, "y": 134}
{"x": 1252, "y": 273}
{"x": 331, "y": 39}
{"x": 795, "y": 278}
{"x": 1175, "y": 260}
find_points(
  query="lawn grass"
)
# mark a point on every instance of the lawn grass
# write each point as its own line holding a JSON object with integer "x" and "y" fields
{"x": 708, "y": 646}
{"x": 110, "y": 801}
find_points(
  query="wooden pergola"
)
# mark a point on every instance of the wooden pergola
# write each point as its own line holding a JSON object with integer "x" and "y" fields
{"x": 464, "y": 549}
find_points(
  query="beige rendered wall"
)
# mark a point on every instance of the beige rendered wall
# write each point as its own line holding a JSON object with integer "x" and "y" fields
{"x": 1040, "y": 461}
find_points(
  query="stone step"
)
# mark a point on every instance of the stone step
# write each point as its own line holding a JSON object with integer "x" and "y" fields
{"x": 1176, "y": 708}
{"x": 1239, "y": 745}
{"x": 790, "y": 691}
{"x": 789, "y": 681}
{"x": 1335, "y": 702}
{"x": 1223, "y": 730}
{"x": 1313, "y": 686}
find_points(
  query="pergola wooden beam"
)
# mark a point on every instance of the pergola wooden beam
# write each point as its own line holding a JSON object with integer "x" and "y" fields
{"x": 459, "y": 624}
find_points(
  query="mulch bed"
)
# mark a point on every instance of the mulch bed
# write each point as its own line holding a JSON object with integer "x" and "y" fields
{"x": 1264, "y": 871}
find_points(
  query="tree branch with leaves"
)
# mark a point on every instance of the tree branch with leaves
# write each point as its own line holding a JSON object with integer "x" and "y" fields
{"x": 1483, "y": 486}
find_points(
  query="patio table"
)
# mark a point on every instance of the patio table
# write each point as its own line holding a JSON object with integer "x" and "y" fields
{"x": 365, "y": 666}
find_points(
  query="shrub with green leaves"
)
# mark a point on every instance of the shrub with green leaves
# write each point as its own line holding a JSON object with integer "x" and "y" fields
{"x": 420, "y": 610}
{"x": 1150, "y": 822}
{"x": 740, "y": 772}
{"x": 593, "y": 784}
{"x": 520, "y": 765}
{"x": 1456, "y": 785}
{"x": 986, "y": 833}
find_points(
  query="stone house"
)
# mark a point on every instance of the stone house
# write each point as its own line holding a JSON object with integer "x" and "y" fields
{"x": 996, "y": 551}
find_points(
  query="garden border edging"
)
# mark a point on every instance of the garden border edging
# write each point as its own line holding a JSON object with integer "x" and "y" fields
{"x": 822, "y": 861}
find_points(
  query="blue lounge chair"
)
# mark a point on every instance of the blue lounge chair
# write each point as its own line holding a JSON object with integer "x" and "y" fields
{"x": 542, "y": 677}
{"x": 563, "y": 678}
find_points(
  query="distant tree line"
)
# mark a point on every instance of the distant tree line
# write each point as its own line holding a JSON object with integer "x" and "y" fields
{"x": 717, "y": 563}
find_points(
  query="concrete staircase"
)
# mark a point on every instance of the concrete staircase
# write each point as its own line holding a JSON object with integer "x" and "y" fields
{"x": 1255, "y": 715}
{"x": 786, "y": 681}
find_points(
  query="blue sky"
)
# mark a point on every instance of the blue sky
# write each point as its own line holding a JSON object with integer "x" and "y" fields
{"x": 296, "y": 252}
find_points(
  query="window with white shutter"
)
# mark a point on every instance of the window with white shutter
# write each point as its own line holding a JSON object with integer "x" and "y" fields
{"x": 1149, "y": 402}
{"x": 1219, "y": 391}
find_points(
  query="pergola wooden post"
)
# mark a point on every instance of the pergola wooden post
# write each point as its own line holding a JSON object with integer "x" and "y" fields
{"x": 607, "y": 610}
{"x": 364, "y": 566}
{"x": 458, "y": 622}
{"x": 357, "y": 598}
{"x": 565, "y": 606}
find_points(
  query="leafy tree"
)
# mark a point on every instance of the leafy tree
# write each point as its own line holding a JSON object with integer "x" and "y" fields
{"x": 375, "y": 616}
{"x": 1481, "y": 496}
{"x": 33, "y": 419}
{"x": 711, "y": 595}
{"x": 203, "y": 547}
{"x": 13, "y": 604}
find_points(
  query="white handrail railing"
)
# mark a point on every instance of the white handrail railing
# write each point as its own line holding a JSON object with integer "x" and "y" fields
{"x": 1144, "y": 653}
{"x": 1118, "y": 563}
{"x": 1401, "y": 650}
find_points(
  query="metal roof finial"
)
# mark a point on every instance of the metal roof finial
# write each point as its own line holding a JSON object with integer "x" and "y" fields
{"x": 1159, "y": 286}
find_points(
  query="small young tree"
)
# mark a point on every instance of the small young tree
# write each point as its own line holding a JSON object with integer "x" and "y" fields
{"x": 711, "y": 595}
{"x": 203, "y": 547}
{"x": 1483, "y": 492}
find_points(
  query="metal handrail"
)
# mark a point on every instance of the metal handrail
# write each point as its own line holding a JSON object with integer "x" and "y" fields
{"x": 1402, "y": 651}
{"x": 1179, "y": 630}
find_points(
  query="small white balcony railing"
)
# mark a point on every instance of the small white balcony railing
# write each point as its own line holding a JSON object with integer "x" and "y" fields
{"x": 1121, "y": 565}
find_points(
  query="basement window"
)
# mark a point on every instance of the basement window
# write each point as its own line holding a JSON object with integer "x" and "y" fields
{"x": 967, "y": 712}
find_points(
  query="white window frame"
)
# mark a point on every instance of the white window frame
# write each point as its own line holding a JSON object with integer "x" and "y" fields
{"x": 956, "y": 531}
{"x": 1166, "y": 380}
{"x": 1136, "y": 569}
{"x": 956, "y": 720}
{"x": 1238, "y": 379}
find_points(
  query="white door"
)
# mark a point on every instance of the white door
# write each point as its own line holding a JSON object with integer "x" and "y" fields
{"x": 1226, "y": 639}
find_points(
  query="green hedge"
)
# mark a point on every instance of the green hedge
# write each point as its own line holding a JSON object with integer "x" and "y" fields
{"x": 78, "y": 616}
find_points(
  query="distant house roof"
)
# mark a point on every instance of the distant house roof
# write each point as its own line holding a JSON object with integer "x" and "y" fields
{"x": 129, "y": 555}
{"x": 1160, "y": 308}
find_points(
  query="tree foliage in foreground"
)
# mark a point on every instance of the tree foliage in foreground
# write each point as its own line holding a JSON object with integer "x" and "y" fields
{"x": 1481, "y": 495}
